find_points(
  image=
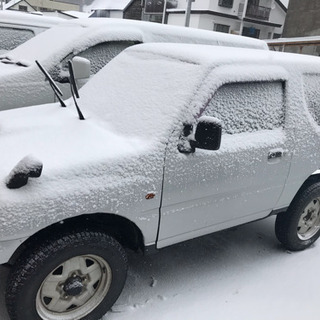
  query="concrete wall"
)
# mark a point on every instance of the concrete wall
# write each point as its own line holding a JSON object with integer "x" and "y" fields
{"x": 303, "y": 18}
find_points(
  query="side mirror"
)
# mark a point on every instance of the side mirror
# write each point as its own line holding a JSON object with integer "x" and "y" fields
{"x": 81, "y": 67}
{"x": 28, "y": 167}
{"x": 208, "y": 133}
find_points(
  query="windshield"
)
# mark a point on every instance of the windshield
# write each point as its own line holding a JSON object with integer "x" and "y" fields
{"x": 135, "y": 95}
{"x": 52, "y": 44}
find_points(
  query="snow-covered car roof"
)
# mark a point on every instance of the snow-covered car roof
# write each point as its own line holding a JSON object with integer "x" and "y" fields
{"x": 28, "y": 19}
{"x": 60, "y": 40}
{"x": 238, "y": 64}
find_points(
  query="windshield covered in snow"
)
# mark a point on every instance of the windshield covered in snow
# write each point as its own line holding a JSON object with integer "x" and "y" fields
{"x": 135, "y": 95}
{"x": 53, "y": 45}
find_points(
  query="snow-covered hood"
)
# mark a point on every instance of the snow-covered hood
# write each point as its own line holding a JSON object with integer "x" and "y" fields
{"x": 65, "y": 145}
{"x": 9, "y": 67}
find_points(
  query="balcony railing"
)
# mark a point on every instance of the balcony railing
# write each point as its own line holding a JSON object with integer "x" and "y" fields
{"x": 258, "y": 12}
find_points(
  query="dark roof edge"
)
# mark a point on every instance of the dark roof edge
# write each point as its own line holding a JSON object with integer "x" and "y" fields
{"x": 282, "y": 6}
{"x": 214, "y": 13}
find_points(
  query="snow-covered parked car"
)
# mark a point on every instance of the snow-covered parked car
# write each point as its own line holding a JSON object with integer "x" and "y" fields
{"x": 18, "y": 27}
{"x": 98, "y": 40}
{"x": 177, "y": 141}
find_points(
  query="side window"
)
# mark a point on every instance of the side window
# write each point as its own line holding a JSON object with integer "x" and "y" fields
{"x": 248, "y": 107}
{"x": 99, "y": 55}
{"x": 10, "y": 38}
{"x": 312, "y": 95}
{"x": 226, "y": 3}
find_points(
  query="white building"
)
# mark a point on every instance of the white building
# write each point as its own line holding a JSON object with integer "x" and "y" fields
{"x": 262, "y": 19}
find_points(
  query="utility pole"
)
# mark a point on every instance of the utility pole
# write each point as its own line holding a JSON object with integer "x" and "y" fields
{"x": 1, "y": 5}
{"x": 188, "y": 12}
{"x": 242, "y": 16}
{"x": 164, "y": 11}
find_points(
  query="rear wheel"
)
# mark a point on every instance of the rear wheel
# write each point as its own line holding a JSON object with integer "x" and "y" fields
{"x": 299, "y": 227}
{"x": 73, "y": 276}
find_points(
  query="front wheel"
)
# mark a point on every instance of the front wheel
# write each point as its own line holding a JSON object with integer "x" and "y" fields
{"x": 299, "y": 227}
{"x": 73, "y": 276}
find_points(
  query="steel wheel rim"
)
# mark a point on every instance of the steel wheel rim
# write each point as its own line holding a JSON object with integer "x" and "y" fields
{"x": 309, "y": 223}
{"x": 74, "y": 288}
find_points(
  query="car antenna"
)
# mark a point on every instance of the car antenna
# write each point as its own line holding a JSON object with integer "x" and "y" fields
{"x": 54, "y": 87}
{"x": 74, "y": 90}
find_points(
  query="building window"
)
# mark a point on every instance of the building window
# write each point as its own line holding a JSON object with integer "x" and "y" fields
{"x": 226, "y": 3}
{"x": 100, "y": 13}
{"x": 221, "y": 28}
{"x": 23, "y": 8}
{"x": 251, "y": 32}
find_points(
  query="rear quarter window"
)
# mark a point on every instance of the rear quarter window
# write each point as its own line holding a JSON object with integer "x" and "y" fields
{"x": 311, "y": 83}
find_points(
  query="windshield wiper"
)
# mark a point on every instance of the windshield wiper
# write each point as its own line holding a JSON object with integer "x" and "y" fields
{"x": 7, "y": 60}
{"x": 58, "y": 93}
{"x": 74, "y": 90}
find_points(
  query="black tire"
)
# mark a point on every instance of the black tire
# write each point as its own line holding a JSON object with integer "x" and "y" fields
{"x": 299, "y": 227}
{"x": 88, "y": 263}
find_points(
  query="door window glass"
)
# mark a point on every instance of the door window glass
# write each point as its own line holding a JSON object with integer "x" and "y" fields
{"x": 248, "y": 107}
{"x": 10, "y": 38}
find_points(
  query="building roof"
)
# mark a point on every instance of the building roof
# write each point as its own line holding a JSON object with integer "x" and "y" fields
{"x": 14, "y": 2}
{"x": 282, "y": 6}
{"x": 107, "y": 5}
{"x": 295, "y": 41}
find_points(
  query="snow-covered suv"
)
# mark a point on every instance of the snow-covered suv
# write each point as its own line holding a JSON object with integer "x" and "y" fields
{"x": 178, "y": 141}
{"x": 97, "y": 40}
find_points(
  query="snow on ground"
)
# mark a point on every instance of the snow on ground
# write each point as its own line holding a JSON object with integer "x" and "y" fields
{"x": 241, "y": 273}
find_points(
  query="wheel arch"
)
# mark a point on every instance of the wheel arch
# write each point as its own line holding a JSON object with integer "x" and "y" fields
{"x": 122, "y": 229}
{"x": 314, "y": 178}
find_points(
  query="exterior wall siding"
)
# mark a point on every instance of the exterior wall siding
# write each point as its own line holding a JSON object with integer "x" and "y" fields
{"x": 264, "y": 18}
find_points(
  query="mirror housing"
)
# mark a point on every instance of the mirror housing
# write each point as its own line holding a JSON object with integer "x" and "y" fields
{"x": 208, "y": 133}
{"x": 81, "y": 67}
{"x": 28, "y": 167}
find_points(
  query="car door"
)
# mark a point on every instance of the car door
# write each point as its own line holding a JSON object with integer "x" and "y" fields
{"x": 206, "y": 190}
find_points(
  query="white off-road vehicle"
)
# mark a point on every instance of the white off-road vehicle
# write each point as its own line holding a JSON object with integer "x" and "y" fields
{"x": 176, "y": 141}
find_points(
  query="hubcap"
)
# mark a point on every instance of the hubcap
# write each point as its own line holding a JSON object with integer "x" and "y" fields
{"x": 309, "y": 223}
{"x": 74, "y": 289}
{"x": 73, "y": 286}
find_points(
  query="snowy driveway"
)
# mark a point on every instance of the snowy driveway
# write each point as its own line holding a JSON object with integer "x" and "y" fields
{"x": 242, "y": 273}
